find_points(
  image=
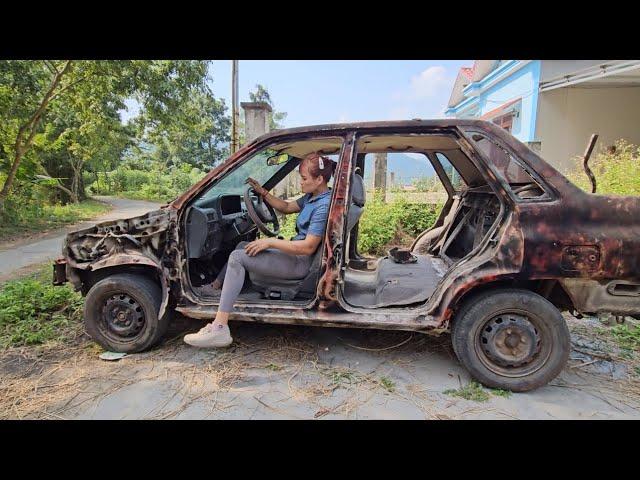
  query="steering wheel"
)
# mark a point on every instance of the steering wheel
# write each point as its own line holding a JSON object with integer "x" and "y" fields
{"x": 261, "y": 213}
{"x": 527, "y": 187}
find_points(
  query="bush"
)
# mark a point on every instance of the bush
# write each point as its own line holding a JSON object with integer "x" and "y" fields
{"x": 616, "y": 173}
{"x": 147, "y": 185}
{"x": 383, "y": 225}
{"x": 33, "y": 311}
{"x": 30, "y": 208}
{"x": 397, "y": 223}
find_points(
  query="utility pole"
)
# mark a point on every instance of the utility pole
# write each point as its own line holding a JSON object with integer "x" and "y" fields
{"x": 235, "y": 114}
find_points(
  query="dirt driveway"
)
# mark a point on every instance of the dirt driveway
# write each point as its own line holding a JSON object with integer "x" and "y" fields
{"x": 279, "y": 372}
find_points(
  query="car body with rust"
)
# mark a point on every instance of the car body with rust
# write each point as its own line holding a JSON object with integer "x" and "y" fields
{"x": 516, "y": 243}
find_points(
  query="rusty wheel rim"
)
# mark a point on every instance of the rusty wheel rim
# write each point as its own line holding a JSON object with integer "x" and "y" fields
{"x": 513, "y": 343}
{"x": 123, "y": 318}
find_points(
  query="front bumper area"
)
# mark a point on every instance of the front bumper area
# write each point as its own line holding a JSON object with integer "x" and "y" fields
{"x": 60, "y": 271}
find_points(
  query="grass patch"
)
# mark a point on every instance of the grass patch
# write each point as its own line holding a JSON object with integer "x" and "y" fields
{"x": 33, "y": 218}
{"x": 500, "y": 393}
{"x": 627, "y": 338}
{"x": 472, "y": 391}
{"x": 475, "y": 392}
{"x": 387, "y": 384}
{"x": 273, "y": 367}
{"x": 33, "y": 311}
{"x": 340, "y": 377}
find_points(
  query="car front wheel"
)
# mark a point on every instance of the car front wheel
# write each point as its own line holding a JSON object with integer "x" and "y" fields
{"x": 121, "y": 313}
{"x": 511, "y": 339}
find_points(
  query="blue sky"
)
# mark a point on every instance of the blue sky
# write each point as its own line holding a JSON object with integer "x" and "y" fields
{"x": 319, "y": 91}
{"x": 336, "y": 91}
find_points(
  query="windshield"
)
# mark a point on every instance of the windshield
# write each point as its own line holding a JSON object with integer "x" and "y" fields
{"x": 233, "y": 183}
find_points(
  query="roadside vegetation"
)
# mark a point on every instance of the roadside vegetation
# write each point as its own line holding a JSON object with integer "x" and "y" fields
{"x": 146, "y": 185}
{"x": 35, "y": 214}
{"x": 385, "y": 224}
{"x": 617, "y": 170}
{"x": 69, "y": 129}
{"x": 35, "y": 312}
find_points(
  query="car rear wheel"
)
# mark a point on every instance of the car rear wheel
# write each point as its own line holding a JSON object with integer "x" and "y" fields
{"x": 511, "y": 339}
{"x": 121, "y": 313}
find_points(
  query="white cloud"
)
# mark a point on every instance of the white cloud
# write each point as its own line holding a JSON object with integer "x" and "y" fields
{"x": 425, "y": 96}
{"x": 429, "y": 83}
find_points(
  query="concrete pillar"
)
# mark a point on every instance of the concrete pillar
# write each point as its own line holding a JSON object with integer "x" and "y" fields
{"x": 380, "y": 174}
{"x": 256, "y": 119}
{"x": 392, "y": 179}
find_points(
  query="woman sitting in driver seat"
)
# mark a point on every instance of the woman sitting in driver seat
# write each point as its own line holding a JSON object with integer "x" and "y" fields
{"x": 286, "y": 259}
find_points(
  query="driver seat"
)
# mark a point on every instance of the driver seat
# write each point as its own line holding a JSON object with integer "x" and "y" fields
{"x": 279, "y": 289}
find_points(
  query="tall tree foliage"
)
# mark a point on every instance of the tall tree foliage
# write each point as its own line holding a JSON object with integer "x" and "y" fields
{"x": 59, "y": 118}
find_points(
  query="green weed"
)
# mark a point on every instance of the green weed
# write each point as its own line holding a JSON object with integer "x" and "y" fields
{"x": 472, "y": 391}
{"x": 387, "y": 384}
{"x": 626, "y": 337}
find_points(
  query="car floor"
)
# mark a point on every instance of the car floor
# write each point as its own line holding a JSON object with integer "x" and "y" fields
{"x": 393, "y": 284}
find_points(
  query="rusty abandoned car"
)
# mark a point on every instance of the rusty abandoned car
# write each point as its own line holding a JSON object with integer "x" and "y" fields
{"x": 515, "y": 244}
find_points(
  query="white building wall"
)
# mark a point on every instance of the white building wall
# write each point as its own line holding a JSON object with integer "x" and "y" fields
{"x": 568, "y": 116}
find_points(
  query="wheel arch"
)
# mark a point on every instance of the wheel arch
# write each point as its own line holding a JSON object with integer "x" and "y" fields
{"x": 126, "y": 263}
{"x": 550, "y": 289}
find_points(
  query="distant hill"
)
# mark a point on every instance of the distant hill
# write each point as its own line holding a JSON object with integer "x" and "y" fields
{"x": 405, "y": 167}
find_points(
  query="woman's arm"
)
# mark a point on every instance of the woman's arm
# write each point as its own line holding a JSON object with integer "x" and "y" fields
{"x": 281, "y": 205}
{"x": 308, "y": 246}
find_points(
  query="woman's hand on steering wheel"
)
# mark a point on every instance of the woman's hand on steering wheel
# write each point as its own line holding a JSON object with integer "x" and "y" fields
{"x": 259, "y": 189}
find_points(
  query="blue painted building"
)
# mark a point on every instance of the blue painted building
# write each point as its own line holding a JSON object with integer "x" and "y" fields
{"x": 502, "y": 91}
{"x": 553, "y": 105}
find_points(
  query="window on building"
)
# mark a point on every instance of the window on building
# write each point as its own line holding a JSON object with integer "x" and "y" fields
{"x": 504, "y": 121}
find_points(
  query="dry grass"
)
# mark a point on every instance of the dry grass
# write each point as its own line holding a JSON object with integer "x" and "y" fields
{"x": 64, "y": 381}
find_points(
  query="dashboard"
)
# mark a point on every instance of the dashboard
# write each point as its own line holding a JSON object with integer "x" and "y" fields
{"x": 214, "y": 222}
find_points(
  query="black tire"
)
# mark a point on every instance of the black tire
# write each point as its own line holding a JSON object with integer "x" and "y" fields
{"x": 511, "y": 339}
{"x": 137, "y": 299}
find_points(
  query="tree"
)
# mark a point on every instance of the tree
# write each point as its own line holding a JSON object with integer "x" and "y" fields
{"x": 195, "y": 134}
{"x": 69, "y": 110}
{"x": 29, "y": 106}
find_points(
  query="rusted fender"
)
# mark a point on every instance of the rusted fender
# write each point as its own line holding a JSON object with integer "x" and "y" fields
{"x": 133, "y": 258}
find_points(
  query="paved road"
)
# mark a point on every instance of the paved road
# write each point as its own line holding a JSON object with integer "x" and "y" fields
{"x": 48, "y": 247}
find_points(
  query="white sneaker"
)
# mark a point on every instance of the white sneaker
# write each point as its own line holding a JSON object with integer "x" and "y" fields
{"x": 209, "y": 336}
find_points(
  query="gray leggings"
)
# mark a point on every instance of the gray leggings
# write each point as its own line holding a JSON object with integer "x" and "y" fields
{"x": 271, "y": 261}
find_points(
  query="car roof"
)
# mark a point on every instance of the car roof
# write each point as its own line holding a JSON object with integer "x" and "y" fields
{"x": 364, "y": 126}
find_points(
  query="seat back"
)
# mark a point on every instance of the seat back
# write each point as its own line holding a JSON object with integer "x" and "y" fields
{"x": 358, "y": 198}
{"x": 306, "y": 287}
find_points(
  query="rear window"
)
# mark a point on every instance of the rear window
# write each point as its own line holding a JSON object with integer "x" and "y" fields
{"x": 510, "y": 168}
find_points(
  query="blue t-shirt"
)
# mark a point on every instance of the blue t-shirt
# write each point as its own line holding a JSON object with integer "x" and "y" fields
{"x": 312, "y": 218}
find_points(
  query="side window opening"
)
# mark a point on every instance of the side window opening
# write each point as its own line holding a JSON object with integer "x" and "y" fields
{"x": 520, "y": 180}
{"x": 457, "y": 182}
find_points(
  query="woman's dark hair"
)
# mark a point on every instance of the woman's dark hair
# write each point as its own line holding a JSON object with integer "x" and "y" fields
{"x": 319, "y": 165}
